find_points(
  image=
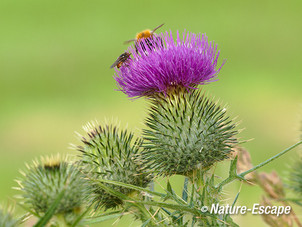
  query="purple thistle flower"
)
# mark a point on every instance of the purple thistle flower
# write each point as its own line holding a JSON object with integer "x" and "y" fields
{"x": 158, "y": 64}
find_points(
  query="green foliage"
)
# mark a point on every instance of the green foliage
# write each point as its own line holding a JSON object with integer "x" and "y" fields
{"x": 114, "y": 171}
{"x": 186, "y": 131}
{"x": 111, "y": 155}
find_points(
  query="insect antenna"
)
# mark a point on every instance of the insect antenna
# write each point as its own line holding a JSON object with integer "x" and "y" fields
{"x": 156, "y": 28}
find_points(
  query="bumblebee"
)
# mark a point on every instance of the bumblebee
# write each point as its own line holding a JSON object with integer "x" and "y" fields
{"x": 120, "y": 60}
{"x": 143, "y": 35}
{"x": 146, "y": 34}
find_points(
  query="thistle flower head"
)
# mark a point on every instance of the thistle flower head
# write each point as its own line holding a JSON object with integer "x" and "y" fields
{"x": 44, "y": 180}
{"x": 161, "y": 63}
{"x": 186, "y": 132}
{"x": 110, "y": 154}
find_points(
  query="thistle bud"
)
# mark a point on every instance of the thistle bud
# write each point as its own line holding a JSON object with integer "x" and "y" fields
{"x": 43, "y": 181}
{"x": 186, "y": 131}
{"x": 111, "y": 155}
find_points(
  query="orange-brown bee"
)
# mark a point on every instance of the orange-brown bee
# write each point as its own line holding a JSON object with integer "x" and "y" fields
{"x": 143, "y": 35}
{"x": 120, "y": 60}
{"x": 146, "y": 34}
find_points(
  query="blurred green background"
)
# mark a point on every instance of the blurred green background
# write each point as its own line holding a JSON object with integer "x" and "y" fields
{"x": 55, "y": 77}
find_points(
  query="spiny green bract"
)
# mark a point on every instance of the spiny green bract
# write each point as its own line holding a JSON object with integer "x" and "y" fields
{"x": 295, "y": 177}
{"x": 6, "y": 219}
{"x": 43, "y": 181}
{"x": 110, "y": 155}
{"x": 186, "y": 131}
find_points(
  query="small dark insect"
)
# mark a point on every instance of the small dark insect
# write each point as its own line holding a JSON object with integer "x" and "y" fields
{"x": 120, "y": 60}
{"x": 146, "y": 34}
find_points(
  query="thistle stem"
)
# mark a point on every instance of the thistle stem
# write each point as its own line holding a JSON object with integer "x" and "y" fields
{"x": 270, "y": 159}
{"x": 241, "y": 176}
